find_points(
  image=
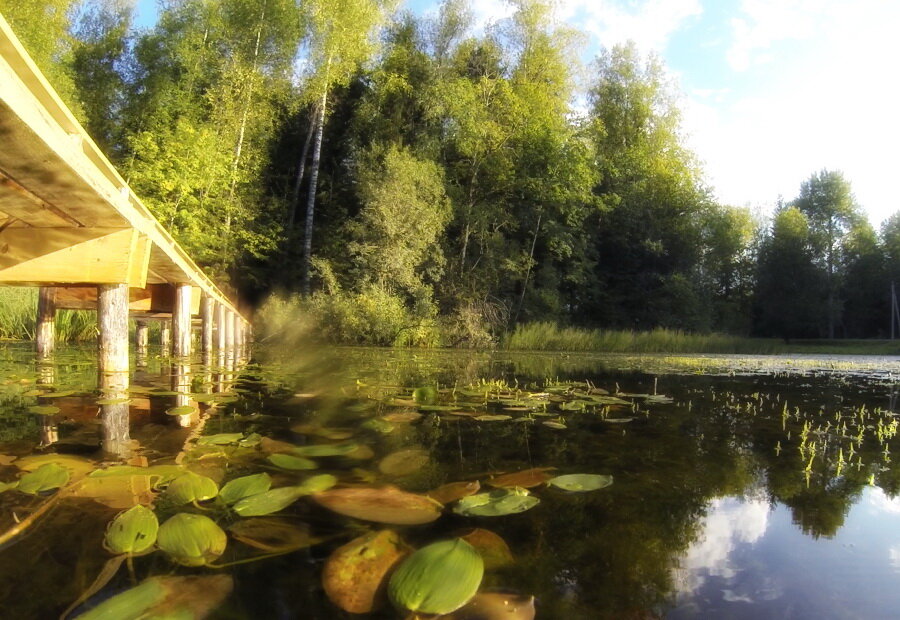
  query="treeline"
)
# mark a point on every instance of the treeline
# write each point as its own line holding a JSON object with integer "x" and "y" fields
{"x": 423, "y": 182}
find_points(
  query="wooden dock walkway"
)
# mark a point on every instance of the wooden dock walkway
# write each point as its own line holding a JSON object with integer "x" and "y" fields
{"x": 70, "y": 224}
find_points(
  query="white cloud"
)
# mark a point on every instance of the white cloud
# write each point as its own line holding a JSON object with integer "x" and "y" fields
{"x": 728, "y": 522}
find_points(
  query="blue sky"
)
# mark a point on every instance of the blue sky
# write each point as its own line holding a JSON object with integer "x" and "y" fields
{"x": 771, "y": 90}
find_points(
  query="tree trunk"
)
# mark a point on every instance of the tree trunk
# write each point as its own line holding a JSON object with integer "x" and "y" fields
{"x": 537, "y": 229}
{"x": 301, "y": 169}
{"x": 311, "y": 200}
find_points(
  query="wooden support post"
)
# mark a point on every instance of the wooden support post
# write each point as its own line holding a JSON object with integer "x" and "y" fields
{"x": 229, "y": 329}
{"x": 238, "y": 333}
{"x": 181, "y": 321}
{"x": 112, "y": 316}
{"x": 141, "y": 334}
{"x": 221, "y": 320}
{"x": 207, "y": 307}
{"x": 165, "y": 337}
{"x": 45, "y": 330}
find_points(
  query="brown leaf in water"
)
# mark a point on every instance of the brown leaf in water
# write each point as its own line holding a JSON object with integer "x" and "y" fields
{"x": 404, "y": 462}
{"x": 527, "y": 478}
{"x": 453, "y": 491}
{"x": 354, "y": 576}
{"x": 386, "y": 504}
{"x": 402, "y": 416}
{"x": 493, "y": 549}
{"x": 271, "y": 534}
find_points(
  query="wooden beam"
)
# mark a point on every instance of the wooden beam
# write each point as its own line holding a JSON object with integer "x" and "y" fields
{"x": 73, "y": 255}
{"x": 23, "y": 204}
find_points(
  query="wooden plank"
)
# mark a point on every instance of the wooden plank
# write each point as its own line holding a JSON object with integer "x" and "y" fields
{"x": 70, "y": 255}
{"x": 23, "y": 204}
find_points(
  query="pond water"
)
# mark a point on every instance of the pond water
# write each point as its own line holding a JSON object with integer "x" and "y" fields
{"x": 760, "y": 487}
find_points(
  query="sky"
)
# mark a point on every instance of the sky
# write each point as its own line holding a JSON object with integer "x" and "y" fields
{"x": 771, "y": 90}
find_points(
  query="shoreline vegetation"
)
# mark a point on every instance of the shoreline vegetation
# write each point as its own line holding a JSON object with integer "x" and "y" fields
{"x": 355, "y": 322}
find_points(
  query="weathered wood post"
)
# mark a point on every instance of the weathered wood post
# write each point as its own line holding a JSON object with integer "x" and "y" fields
{"x": 181, "y": 321}
{"x": 207, "y": 305}
{"x": 229, "y": 329}
{"x": 221, "y": 319}
{"x": 112, "y": 345}
{"x": 165, "y": 337}
{"x": 45, "y": 330}
{"x": 141, "y": 334}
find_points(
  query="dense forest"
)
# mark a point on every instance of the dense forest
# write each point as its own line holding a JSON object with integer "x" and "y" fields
{"x": 416, "y": 180}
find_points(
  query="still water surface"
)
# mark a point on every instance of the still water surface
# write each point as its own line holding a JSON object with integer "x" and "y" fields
{"x": 742, "y": 487}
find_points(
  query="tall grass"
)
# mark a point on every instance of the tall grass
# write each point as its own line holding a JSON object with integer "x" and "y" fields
{"x": 550, "y": 337}
{"x": 18, "y": 315}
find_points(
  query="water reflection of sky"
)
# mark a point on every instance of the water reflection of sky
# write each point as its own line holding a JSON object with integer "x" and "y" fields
{"x": 751, "y": 560}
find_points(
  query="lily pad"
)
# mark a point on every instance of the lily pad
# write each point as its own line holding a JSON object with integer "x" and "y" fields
{"x": 192, "y": 540}
{"x": 220, "y": 439}
{"x": 404, "y": 462}
{"x": 555, "y": 425}
{"x": 269, "y": 501}
{"x": 77, "y": 466}
{"x": 355, "y": 574}
{"x": 182, "y": 410}
{"x": 270, "y": 534}
{"x": 581, "y": 482}
{"x": 245, "y": 486}
{"x": 44, "y": 409}
{"x": 319, "y": 483}
{"x": 448, "y": 493}
{"x": 133, "y": 531}
{"x": 424, "y": 395}
{"x": 438, "y": 578}
{"x": 527, "y": 478}
{"x": 496, "y": 503}
{"x": 45, "y": 478}
{"x": 493, "y": 418}
{"x": 190, "y": 487}
{"x": 286, "y": 461}
{"x": 386, "y": 504}
{"x": 165, "y": 597}
{"x": 402, "y": 416}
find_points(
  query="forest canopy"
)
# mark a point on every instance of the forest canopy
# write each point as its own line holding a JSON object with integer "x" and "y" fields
{"x": 415, "y": 180}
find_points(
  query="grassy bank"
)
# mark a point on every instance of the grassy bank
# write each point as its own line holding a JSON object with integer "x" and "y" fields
{"x": 18, "y": 312}
{"x": 550, "y": 337}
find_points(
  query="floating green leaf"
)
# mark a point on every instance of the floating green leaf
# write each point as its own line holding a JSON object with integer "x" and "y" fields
{"x": 182, "y": 410}
{"x": 192, "y": 540}
{"x": 270, "y": 501}
{"x": 45, "y": 478}
{"x": 438, "y": 578}
{"x": 8, "y": 486}
{"x": 581, "y": 482}
{"x": 496, "y": 503}
{"x": 44, "y": 409}
{"x": 132, "y": 531}
{"x": 424, "y": 395}
{"x": 190, "y": 487}
{"x": 286, "y": 461}
{"x": 221, "y": 439}
{"x": 317, "y": 484}
{"x": 245, "y": 486}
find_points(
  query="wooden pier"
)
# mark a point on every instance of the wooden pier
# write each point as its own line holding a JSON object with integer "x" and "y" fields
{"x": 70, "y": 224}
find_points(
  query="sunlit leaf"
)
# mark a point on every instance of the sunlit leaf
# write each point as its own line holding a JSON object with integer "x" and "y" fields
{"x": 269, "y": 501}
{"x": 44, "y": 409}
{"x": 354, "y": 574}
{"x": 581, "y": 482}
{"x": 192, "y": 540}
{"x": 190, "y": 487}
{"x": 438, "y": 578}
{"x": 382, "y": 504}
{"x": 182, "y": 410}
{"x": 496, "y": 503}
{"x": 44, "y": 478}
{"x": 245, "y": 486}
{"x": 132, "y": 531}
